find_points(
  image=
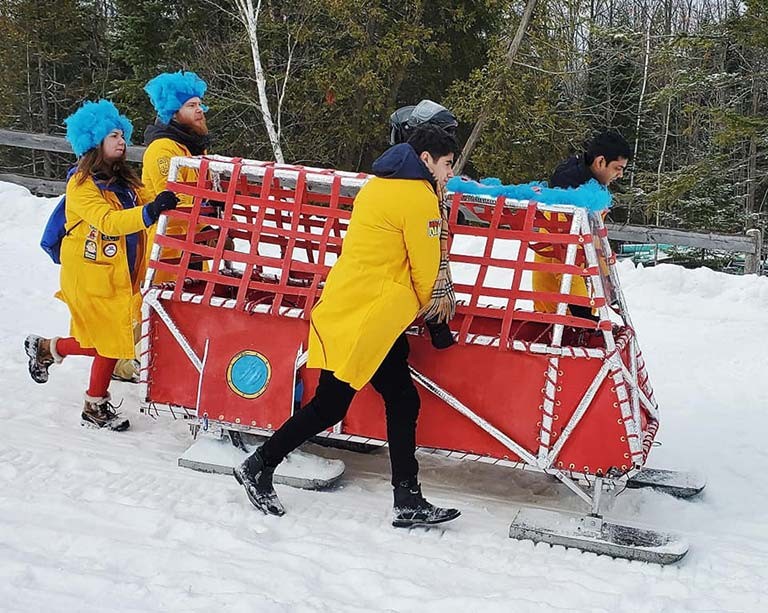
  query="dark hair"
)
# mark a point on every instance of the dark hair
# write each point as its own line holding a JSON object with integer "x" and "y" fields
{"x": 434, "y": 140}
{"x": 92, "y": 162}
{"x": 610, "y": 144}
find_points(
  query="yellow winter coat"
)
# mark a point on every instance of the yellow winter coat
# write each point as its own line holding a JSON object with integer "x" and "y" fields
{"x": 384, "y": 276}
{"x": 550, "y": 282}
{"x": 96, "y": 282}
{"x": 154, "y": 175}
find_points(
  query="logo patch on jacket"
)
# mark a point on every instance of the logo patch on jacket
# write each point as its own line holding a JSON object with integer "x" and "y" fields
{"x": 433, "y": 228}
{"x": 110, "y": 249}
{"x": 163, "y": 165}
{"x": 93, "y": 232}
{"x": 106, "y": 237}
{"x": 90, "y": 250}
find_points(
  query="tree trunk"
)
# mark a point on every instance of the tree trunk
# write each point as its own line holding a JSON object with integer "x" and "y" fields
{"x": 44, "y": 122}
{"x": 752, "y": 166}
{"x": 661, "y": 157}
{"x": 642, "y": 96}
{"x": 249, "y": 18}
{"x": 486, "y": 111}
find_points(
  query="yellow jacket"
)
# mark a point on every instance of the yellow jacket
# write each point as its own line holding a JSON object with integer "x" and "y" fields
{"x": 154, "y": 175}
{"x": 384, "y": 276}
{"x": 550, "y": 282}
{"x": 96, "y": 282}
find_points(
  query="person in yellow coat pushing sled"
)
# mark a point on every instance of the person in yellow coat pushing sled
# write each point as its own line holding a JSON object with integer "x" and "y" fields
{"x": 108, "y": 212}
{"x": 385, "y": 277}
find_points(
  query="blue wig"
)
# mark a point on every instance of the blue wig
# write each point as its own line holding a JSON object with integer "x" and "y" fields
{"x": 92, "y": 122}
{"x": 591, "y": 195}
{"x": 170, "y": 90}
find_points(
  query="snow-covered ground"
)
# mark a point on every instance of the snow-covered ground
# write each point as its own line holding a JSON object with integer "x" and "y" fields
{"x": 101, "y": 521}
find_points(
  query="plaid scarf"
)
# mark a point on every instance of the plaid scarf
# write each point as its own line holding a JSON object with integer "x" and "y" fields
{"x": 442, "y": 304}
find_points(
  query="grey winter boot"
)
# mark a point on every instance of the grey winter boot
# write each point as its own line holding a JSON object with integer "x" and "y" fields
{"x": 42, "y": 354}
{"x": 256, "y": 478}
{"x": 100, "y": 413}
{"x": 411, "y": 509}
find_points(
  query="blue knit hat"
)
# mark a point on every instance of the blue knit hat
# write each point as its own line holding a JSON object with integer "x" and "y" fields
{"x": 92, "y": 122}
{"x": 170, "y": 90}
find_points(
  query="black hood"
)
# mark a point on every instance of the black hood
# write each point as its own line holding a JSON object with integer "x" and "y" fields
{"x": 572, "y": 172}
{"x": 401, "y": 162}
{"x": 196, "y": 144}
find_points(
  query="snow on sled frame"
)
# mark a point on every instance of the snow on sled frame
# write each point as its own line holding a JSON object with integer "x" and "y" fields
{"x": 245, "y": 314}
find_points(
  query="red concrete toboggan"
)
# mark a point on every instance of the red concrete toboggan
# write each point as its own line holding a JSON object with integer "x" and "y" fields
{"x": 564, "y": 395}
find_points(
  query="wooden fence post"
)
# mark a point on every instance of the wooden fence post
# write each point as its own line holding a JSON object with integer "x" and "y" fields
{"x": 752, "y": 261}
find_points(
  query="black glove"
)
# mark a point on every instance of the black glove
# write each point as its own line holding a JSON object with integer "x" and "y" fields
{"x": 165, "y": 201}
{"x": 441, "y": 335}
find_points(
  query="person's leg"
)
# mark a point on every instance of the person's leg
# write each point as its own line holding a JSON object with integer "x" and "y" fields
{"x": 44, "y": 352}
{"x": 98, "y": 410}
{"x": 69, "y": 346}
{"x": 101, "y": 375}
{"x": 393, "y": 381}
{"x": 328, "y": 407}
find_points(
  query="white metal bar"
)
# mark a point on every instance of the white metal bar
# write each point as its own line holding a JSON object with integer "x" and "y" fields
{"x": 580, "y": 411}
{"x": 567, "y": 278}
{"x": 257, "y": 168}
{"x": 634, "y": 387}
{"x": 144, "y": 349}
{"x": 200, "y": 378}
{"x": 151, "y": 299}
{"x": 162, "y": 225}
{"x": 598, "y": 291}
{"x": 510, "y": 444}
{"x": 548, "y": 408}
{"x": 633, "y": 429}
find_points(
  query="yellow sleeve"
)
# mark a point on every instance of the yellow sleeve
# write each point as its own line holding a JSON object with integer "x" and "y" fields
{"x": 421, "y": 230}
{"x": 144, "y": 195}
{"x": 157, "y": 163}
{"x": 85, "y": 201}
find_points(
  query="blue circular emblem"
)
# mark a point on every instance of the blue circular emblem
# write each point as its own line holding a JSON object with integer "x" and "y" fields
{"x": 248, "y": 374}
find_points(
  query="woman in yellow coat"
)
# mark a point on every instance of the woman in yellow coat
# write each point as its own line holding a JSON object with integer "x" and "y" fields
{"x": 102, "y": 257}
{"x": 383, "y": 279}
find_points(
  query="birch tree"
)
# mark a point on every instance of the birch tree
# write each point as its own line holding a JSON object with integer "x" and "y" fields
{"x": 248, "y": 15}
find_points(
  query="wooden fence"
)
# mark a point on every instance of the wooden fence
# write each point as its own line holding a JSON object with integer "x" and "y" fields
{"x": 749, "y": 244}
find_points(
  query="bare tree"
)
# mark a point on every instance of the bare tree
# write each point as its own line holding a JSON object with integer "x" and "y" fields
{"x": 248, "y": 15}
{"x": 649, "y": 19}
{"x": 486, "y": 111}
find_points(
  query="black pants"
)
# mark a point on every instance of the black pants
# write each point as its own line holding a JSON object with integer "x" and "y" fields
{"x": 330, "y": 404}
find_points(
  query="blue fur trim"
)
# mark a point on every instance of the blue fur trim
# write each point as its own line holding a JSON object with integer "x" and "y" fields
{"x": 591, "y": 195}
{"x": 92, "y": 122}
{"x": 170, "y": 90}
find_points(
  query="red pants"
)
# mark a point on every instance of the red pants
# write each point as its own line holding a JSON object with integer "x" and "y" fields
{"x": 101, "y": 369}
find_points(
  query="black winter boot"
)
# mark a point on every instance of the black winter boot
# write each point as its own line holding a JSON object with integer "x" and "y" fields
{"x": 256, "y": 478}
{"x": 411, "y": 509}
